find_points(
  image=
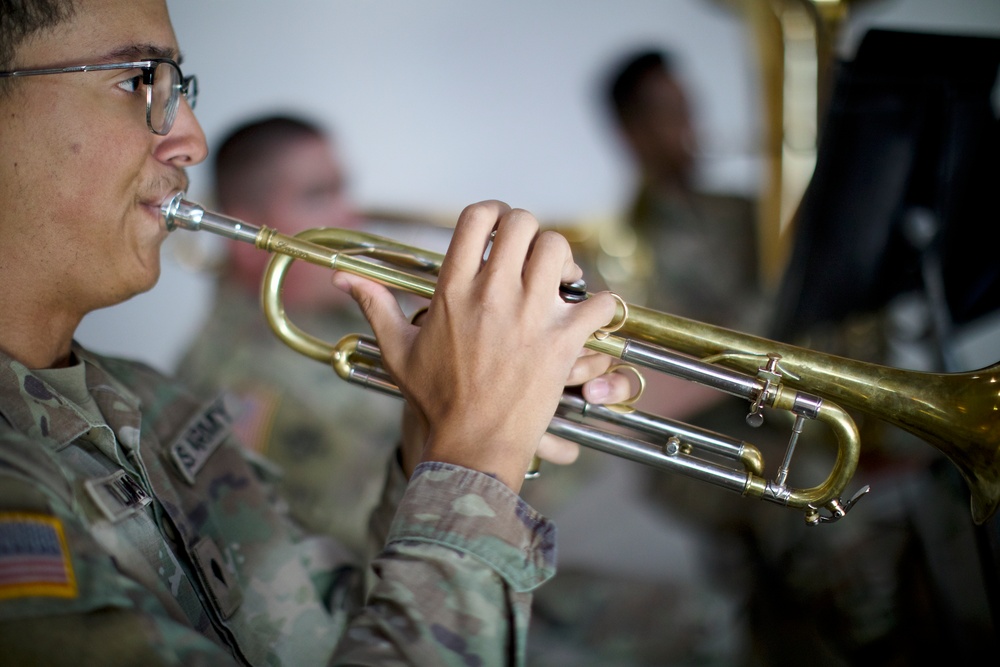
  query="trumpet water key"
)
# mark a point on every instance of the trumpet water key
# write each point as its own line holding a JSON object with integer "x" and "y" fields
{"x": 958, "y": 413}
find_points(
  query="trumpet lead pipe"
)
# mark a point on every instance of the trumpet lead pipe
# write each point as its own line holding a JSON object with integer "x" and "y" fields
{"x": 178, "y": 213}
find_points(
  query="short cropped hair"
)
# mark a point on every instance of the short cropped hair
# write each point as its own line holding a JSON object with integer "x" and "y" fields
{"x": 19, "y": 19}
{"x": 626, "y": 79}
{"x": 248, "y": 151}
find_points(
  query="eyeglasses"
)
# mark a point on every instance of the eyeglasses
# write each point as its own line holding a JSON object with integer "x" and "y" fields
{"x": 164, "y": 85}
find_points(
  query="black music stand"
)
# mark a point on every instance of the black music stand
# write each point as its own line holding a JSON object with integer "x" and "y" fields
{"x": 904, "y": 195}
{"x": 904, "y": 198}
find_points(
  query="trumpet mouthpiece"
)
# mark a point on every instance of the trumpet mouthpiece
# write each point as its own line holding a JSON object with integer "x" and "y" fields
{"x": 180, "y": 213}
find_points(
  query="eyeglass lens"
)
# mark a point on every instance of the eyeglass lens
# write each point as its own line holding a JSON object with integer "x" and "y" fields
{"x": 165, "y": 94}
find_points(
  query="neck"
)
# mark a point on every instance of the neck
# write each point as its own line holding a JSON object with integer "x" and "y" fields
{"x": 38, "y": 336}
{"x": 35, "y": 355}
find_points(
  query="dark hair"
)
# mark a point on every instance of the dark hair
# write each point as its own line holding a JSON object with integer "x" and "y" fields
{"x": 20, "y": 19}
{"x": 253, "y": 145}
{"x": 625, "y": 81}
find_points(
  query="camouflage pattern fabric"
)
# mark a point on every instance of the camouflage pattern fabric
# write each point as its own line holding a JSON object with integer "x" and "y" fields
{"x": 329, "y": 439}
{"x": 149, "y": 539}
{"x": 695, "y": 255}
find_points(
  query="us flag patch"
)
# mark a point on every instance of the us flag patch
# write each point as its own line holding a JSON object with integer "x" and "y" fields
{"x": 255, "y": 417}
{"x": 34, "y": 558}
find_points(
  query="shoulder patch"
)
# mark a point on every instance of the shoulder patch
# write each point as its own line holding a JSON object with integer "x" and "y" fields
{"x": 34, "y": 557}
{"x": 200, "y": 439}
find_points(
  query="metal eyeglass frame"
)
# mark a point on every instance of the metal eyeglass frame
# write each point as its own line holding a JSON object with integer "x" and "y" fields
{"x": 188, "y": 85}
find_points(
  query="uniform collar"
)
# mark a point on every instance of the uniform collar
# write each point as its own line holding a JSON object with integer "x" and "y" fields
{"x": 35, "y": 408}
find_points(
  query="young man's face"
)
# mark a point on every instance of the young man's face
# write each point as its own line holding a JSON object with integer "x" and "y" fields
{"x": 81, "y": 175}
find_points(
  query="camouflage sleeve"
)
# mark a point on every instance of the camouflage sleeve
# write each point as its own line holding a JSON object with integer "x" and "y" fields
{"x": 453, "y": 583}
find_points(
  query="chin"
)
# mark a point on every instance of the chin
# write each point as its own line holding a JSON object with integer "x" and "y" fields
{"x": 130, "y": 290}
{"x": 144, "y": 279}
{"x": 152, "y": 277}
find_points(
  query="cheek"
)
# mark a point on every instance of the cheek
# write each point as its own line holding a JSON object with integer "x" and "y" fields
{"x": 82, "y": 141}
{"x": 98, "y": 173}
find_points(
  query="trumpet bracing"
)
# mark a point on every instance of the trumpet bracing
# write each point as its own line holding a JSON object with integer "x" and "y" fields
{"x": 958, "y": 413}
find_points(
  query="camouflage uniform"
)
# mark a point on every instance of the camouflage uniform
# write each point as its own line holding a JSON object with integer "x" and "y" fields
{"x": 146, "y": 537}
{"x": 695, "y": 256}
{"x": 329, "y": 438}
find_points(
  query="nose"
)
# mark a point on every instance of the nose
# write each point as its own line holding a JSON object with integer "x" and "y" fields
{"x": 184, "y": 145}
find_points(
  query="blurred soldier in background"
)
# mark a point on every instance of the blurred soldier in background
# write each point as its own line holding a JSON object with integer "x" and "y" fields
{"x": 696, "y": 254}
{"x": 329, "y": 439}
{"x": 687, "y": 252}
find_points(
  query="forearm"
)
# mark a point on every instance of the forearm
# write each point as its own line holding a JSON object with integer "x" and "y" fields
{"x": 455, "y": 578}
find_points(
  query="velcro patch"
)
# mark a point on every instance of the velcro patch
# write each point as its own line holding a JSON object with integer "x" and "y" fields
{"x": 117, "y": 495}
{"x": 216, "y": 576}
{"x": 200, "y": 439}
{"x": 34, "y": 557}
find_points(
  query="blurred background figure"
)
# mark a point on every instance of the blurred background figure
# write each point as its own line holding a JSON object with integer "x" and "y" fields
{"x": 328, "y": 439}
{"x": 695, "y": 256}
{"x": 692, "y": 253}
{"x": 677, "y": 248}
{"x": 695, "y": 251}
{"x": 687, "y": 251}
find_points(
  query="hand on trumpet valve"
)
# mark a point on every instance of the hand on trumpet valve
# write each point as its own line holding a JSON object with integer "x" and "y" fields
{"x": 601, "y": 382}
{"x": 484, "y": 371}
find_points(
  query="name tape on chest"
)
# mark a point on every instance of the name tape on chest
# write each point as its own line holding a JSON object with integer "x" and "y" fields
{"x": 200, "y": 439}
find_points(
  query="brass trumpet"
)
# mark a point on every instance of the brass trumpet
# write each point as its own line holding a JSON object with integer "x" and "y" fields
{"x": 958, "y": 413}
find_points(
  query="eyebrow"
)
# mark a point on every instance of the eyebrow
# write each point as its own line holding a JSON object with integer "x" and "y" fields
{"x": 142, "y": 52}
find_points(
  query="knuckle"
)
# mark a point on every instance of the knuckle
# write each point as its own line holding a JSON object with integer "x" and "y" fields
{"x": 472, "y": 210}
{"x": 488, "y": 207}
{"x": 554, "y": 241}
{"x": 521, "y": 218}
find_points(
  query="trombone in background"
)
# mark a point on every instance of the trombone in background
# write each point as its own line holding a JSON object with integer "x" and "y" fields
{"x": 958, "y": 413}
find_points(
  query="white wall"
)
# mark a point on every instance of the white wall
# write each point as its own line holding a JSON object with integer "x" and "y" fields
{"x": 439, "y": 103}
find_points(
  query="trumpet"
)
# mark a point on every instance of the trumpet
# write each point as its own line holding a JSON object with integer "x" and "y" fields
{"x": 957, "y": 413}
